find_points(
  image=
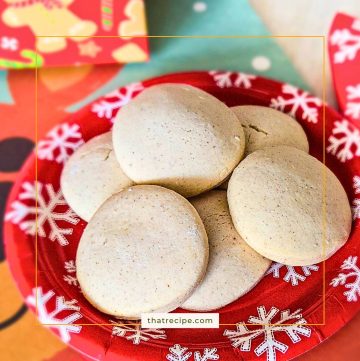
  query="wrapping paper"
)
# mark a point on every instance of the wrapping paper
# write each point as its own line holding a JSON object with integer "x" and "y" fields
{"x": 289, "y": 297}
{"x": 72, "y": 31}
{"x": 344, "y": 53}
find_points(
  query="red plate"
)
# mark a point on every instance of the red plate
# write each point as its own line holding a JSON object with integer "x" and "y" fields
{"x": 286, "y": 295}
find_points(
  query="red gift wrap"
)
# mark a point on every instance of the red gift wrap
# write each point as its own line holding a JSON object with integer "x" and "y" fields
{"x": 344, "y": 53}
{"x": 65, "y": 32}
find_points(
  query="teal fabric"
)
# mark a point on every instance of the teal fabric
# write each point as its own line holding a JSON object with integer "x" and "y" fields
{"x": 226, "y": 18}
{"x": 5, "y": 96}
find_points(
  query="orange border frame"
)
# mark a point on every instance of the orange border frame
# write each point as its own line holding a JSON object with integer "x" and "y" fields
{"x": 324, "y": 219}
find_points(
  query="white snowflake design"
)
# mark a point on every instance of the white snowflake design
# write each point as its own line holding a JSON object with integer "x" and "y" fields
{"x": 64, "y": 323}
{"x": 50, "y": 210}
{"x": 294, "y": 99}
{"x": 242, "y": 337}
{"x": 350, "y": 265}
{"x": 60, "y": 143}
{"x": 8, "y": 43}
{"x": 347, "y": 42}
{"x": 356, "y": 25}
{"x": 208, "y": 354}
{"x": 356, "y": 202}
{"x": 112, "y": 102}
{"x": 229, "y": 79}
{"x": 291, "y": 274}
{"x": 344, "y": 141}
{"x": 179, "y": 353}
{"x": 70, "y": 268}
{"x": 134, "y": 332}
{"x": 353, "y": 101}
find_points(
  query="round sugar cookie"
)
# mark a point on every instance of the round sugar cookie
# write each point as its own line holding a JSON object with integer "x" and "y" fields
{"x": 91, "y": 175}
{"x": 234, "y": 268}
{"x": 179, "y": 137}
{"x": 144, "y": 250}
{"x": 276, "y": 198}
{"x": 266, "y": 127}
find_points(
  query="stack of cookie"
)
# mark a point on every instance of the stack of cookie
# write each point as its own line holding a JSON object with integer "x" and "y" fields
{"x": 155, "y": 219}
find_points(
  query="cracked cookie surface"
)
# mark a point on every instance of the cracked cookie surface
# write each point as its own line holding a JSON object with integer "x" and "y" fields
{"x": 266, "y": 127}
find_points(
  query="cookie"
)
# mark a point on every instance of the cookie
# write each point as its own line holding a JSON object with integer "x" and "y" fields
{"x": 179, "y": 137}
{"x": 144, "y": 250}
{"x": 265, "y": 127}
{"x": 234, "y": 268}
{"x": 91, "y": 175}
{"x": 276, "y": 198}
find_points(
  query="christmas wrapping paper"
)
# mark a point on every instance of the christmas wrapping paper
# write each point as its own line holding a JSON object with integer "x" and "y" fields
{"x": 344, "y": 52}
{"x": 65, "y": 32}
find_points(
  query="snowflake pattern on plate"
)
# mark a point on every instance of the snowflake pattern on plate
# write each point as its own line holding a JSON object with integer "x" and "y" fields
{"x": 344, "y": 141}
{"x": 112, "y": 102}
{"x": 69, "y": 309}
{"x": 60, "y": 143}
{"x": 208, "y": 354}
{"x": 125, "y": 348}
{"x": 294, "y": 99}
{"x": 353, "y": 101}
{"x": 347, "y": 42}
{"x": 70, "y": 277}
{"x": 242, "y": 337}
{"x": 356, "y": 202}
{"x": 350, "y": 265}
{"x": 23, "y": 212}
{"x": 179, "y": 353}
{"x": 291, "y": 274}
{"x": 227, "y": 79}
{"x": 134, "y": 332}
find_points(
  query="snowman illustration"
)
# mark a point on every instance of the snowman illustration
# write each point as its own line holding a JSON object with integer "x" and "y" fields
{"x": 48, "y": 18}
